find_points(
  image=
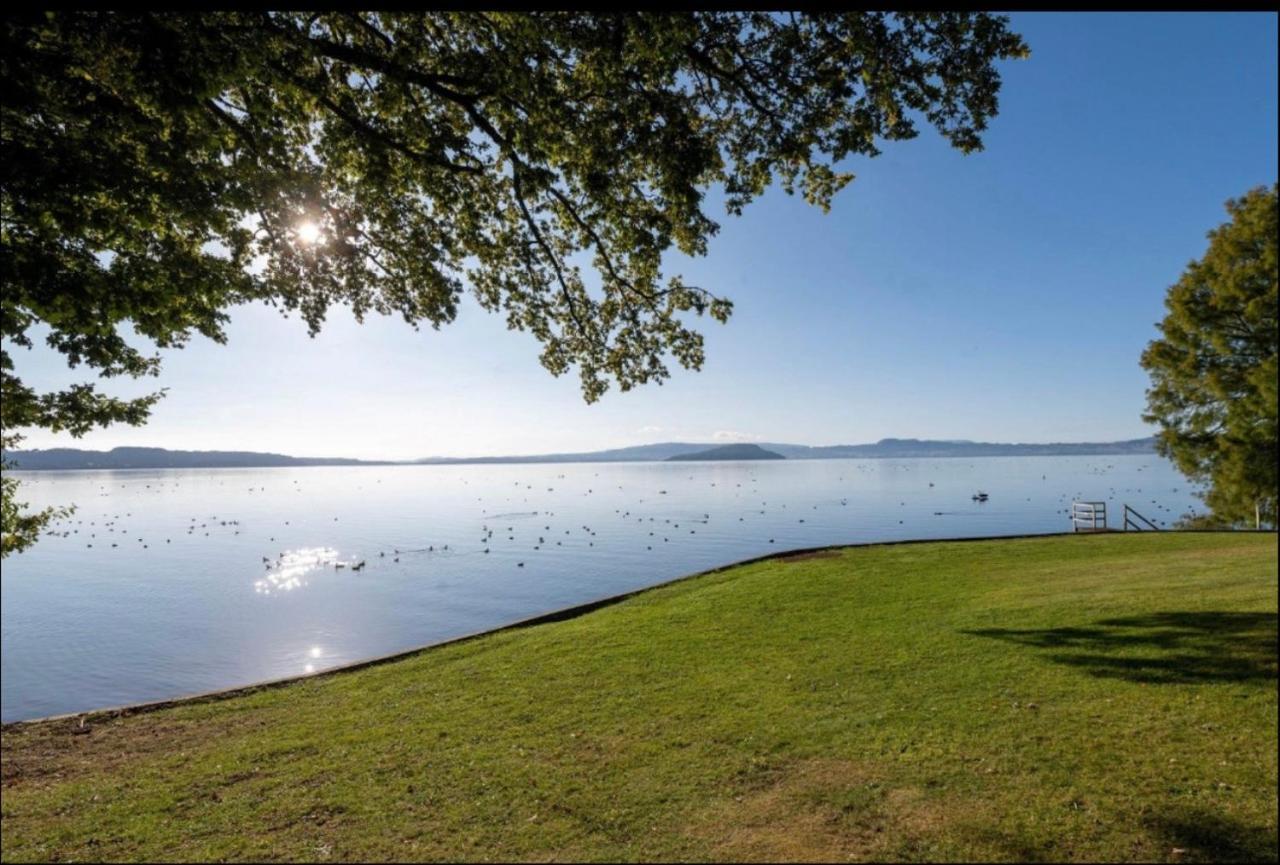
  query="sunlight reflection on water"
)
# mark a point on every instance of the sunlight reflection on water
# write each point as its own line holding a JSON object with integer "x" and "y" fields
{"x": 286, "y": 572}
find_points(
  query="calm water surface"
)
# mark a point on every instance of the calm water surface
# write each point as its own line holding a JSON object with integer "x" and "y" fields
{"x": 170, "y": 582}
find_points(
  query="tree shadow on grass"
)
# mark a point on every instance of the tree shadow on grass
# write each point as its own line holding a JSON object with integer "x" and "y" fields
{"x": 1161, "y": 648}
{"x": 1205, "y": 836}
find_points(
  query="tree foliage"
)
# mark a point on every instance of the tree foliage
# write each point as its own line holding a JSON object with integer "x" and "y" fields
{"x": 1214, "y": 371}
{"x": 160, "y": 168}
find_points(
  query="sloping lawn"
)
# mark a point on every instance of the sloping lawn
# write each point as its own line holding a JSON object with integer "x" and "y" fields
{"x": 1100, "y": 697}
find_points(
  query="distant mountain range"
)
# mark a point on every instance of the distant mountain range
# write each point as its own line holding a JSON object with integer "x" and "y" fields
{"x": 156, "y": 458}
{"x": 883, "y": 449}
{"x": 160, "y": 458}
{"x": 730, "y": 452}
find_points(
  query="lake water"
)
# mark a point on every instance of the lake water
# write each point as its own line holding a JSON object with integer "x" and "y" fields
{"x": 171, "y": 582}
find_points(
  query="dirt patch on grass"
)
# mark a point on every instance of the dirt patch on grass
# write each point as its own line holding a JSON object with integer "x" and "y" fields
{"x": 64, "y": 750}
{"x": 817, "y": 810}
{"x": 791, "y": 558}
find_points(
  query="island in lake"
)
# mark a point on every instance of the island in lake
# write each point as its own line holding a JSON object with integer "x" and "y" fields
{"x": 729, "y": 452}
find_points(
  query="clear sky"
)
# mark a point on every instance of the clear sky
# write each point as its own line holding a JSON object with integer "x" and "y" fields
{"x": 1004, "y": 296}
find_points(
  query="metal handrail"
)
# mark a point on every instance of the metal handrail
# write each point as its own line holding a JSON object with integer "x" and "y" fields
{"x": 1128, "y": 521}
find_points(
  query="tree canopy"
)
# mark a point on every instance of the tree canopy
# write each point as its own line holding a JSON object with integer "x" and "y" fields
{"x": 1213, "y": 372}
{"x": 161, "y": 168}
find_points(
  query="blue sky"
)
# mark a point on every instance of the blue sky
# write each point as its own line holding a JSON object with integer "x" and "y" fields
{"x": 1001, "y": 296}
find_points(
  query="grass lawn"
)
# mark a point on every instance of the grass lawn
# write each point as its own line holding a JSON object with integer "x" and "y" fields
{"x": 1093, "y": 697}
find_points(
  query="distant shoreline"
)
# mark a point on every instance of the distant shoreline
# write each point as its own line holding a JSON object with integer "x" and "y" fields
{"x": 124, "y": 459}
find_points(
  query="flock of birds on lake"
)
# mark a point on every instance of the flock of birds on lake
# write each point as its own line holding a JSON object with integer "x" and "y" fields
{"x": 500, "y": 529}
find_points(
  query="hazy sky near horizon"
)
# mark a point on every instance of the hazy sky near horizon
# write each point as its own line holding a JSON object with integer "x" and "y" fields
{"x": 1003, "y": 296}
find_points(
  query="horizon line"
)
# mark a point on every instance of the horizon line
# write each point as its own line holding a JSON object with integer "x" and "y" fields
{"x": 534, "y": 455}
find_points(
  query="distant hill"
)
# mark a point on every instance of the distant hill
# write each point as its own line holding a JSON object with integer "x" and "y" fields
{"x": 636, "y": 453}
{"x": 883, "y": 449}
{"x": 730, "y": 452}
{"x": 921, "y": 448}
{"x": 160, "y": 458}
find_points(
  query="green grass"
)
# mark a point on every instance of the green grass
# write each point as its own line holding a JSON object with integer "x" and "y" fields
{"x": 1103, "y": 697}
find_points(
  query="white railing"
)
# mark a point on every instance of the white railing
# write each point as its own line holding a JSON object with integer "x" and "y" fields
{"x": 1089, "y": 516}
